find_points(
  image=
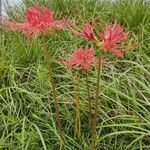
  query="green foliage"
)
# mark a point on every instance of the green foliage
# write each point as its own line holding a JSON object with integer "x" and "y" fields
{"x": 27, "y": 119}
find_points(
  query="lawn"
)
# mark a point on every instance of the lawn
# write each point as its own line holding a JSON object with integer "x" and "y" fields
{"x": 27, "y": 110}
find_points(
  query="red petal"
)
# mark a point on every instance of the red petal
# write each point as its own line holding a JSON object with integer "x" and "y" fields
{"x": 101, "y": 35}
{"x": 118, "y": 52}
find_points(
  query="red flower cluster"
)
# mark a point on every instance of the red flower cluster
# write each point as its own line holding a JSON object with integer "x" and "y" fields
{"x": 83, "y": 57}
{"x": 36, "y": 22}
{"x": 111, "y": 37}
{"x": 87, "y": 32}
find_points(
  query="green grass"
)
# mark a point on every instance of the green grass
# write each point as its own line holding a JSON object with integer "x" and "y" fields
{"x": 27, "y": 119}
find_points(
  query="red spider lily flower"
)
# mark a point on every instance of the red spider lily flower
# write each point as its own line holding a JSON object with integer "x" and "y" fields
{"x": 83, "y": 57}
{"x": 36, "y": 22}
{"x": 112, "y": 36}
{"x": 87, "y": 32}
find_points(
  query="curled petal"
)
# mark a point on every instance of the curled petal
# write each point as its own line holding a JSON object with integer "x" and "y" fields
{"x": 118, "y": 52}
{"x": 87, "y": 31}
{"x": 101, "y": 35}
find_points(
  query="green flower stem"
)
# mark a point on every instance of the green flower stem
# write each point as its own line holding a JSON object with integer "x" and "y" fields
{"x": 48, "y": 62}
{"x": 77, "y": 98}
{"x": 89, "y": 99}
{"x": 93, "y": 144}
